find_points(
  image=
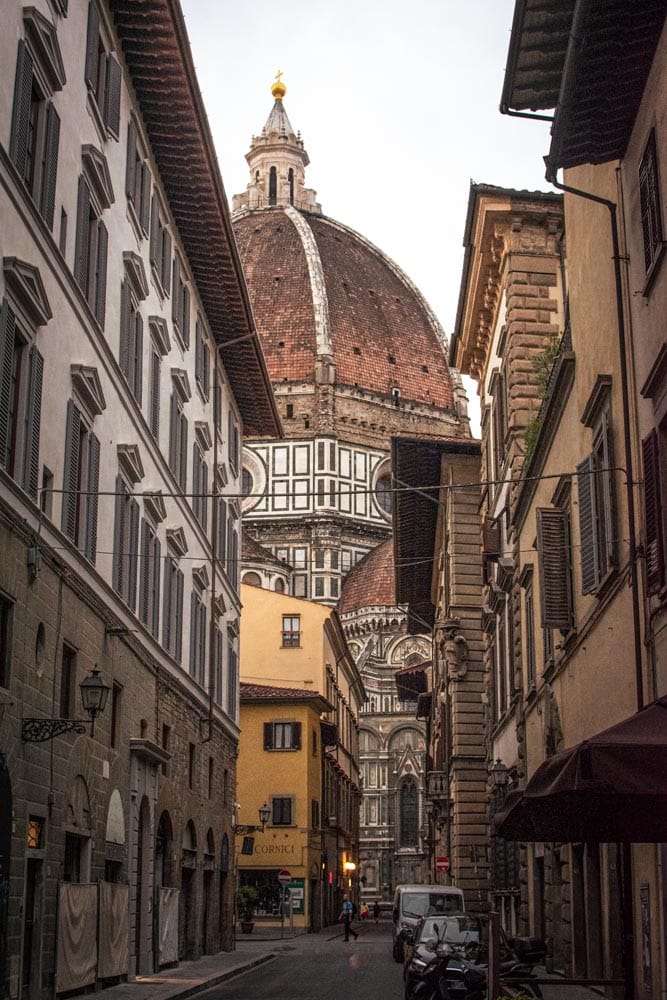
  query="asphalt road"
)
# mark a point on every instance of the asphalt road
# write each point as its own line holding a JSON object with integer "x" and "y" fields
{"x": 322, "y": 967}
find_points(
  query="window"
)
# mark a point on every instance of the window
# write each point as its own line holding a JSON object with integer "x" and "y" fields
{"x": 21, "y": 374}
{"x": 102, "y": 74}
{"x": 180, "y": 304}
{"x": 90, "y": 254}
{"x": 319, "y": 586}
{"x": 383, "y": 494}
{"x": 232, "y": 549}
{"x": 137, "y": 180}
{"x": 202, "y": 360}
{"x": 282, "y": 735}
{"x": 497, "y": 390}
{"x": 80, "y": 483}
{"x": 67, "y": 682}
{"x": 409, "y": 816}
{"x": 116, "y": 696}
{"x": 5, "y": 639}
{"x": 154, "y": 412}
{"x": 651, "y": 209}
{"x": 529, "y": 612}
{"x": 160, "y": 247}
{"x": 319, "y": 558}
{"x": 281, "y": 811}
{"x": 273, "y": 185}
{"x": 125, "y": 544}
{"x": 654, "y": 451}
{"x": 232, "y": 679}
{"x": 172, "y": 609}
{"x": 597, "y": 528}
{"x": 199, "y": 486}
{"x": 334, "y": 586}
{"x": 197, "y": 638}
{"x": 131, "y": 348}
{"x": 300, "y": 585}
{"x": 219, "y": 648}
{"x": 221, "y": 544}
{"x": 178, "y": 441}
{"x": 291, "y": 630}
{"x": 314, "y": 742}
{"x": 233, "y": 435}
{"x": 149, "y": 579}
{"x": 35, "y": 132}
{"x": 315, "y": 814}
{"x": 553, "y": 550}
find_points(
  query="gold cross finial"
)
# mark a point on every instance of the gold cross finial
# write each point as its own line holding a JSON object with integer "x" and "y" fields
{"x": 278, "y": 88}
{"x": 278, "y": 75}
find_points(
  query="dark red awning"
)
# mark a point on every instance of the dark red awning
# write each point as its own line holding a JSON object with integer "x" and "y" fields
{"x": 411, "y": 681}
{"x": 609, "y": 788}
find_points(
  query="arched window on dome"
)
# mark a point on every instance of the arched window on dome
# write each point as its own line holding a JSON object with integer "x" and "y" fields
{"x": 273, "y": 186}
{"x": 252, "y": 580}
{"x": 290, "y": 177}
{"x": 279, "y": 586}
{"x": 409, "y": 828}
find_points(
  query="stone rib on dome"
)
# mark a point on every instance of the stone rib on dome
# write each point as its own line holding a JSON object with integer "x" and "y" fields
{"x": 382, "y": 332}
{"x": 371, "y": 582}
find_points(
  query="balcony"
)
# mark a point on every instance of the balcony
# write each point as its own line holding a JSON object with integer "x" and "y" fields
{"x": 437, "y": 786}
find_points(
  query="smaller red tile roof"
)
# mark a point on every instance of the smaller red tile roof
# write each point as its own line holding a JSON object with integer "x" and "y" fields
{"x": 272, "y": 692}
{"x": 253, "y": 551}
{"x": 371, "y": 582}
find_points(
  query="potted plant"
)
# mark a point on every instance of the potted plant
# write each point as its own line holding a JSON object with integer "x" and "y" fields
{"x": 246, "y": 898}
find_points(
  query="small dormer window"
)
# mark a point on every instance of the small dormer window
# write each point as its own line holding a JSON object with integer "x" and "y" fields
{"x": 273, "y": 186}
{"x": 290, "y": 177}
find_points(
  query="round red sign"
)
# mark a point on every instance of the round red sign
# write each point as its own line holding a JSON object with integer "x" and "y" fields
{"x": 442, "y": 864}
{"x": 284, "y": 877}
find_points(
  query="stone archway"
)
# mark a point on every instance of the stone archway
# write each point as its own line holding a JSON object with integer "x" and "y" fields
{"x": 143, "y": 928}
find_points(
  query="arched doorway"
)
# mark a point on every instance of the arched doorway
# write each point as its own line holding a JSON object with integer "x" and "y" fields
{"x": 208, "y": 922}
{"x": 188, "y": 937}
{"x": 223, "y": 920}
{"x": 166, "y": 920}
{"x": 5, "y": 847}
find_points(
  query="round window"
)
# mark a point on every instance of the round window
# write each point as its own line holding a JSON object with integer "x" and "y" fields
{"x": 383, "y": 493}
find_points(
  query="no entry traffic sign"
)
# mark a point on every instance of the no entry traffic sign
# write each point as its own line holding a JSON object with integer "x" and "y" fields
{"x": 442, "y": 864}
{"x": 284, "y": 877}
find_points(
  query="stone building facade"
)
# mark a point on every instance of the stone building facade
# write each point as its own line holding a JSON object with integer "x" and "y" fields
{"x": 120, "y": 424}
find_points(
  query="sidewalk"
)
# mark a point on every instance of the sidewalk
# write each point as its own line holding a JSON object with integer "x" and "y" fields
{"x": 190, "y": 977}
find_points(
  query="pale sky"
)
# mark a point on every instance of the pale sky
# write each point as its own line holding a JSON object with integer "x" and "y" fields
{"x": 397, "y": 104}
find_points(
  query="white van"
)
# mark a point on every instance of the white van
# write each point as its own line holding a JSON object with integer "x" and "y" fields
{"x": 413, "y": 901}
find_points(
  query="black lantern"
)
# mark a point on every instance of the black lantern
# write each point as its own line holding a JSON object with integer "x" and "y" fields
{"x": 499, "y": 774}
{"x": 94, "y": 695}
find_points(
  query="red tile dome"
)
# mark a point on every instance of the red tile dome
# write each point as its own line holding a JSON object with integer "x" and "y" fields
{"x": 371, "y": 582}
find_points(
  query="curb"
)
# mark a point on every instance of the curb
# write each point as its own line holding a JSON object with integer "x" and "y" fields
{"x": 204, "y": 984}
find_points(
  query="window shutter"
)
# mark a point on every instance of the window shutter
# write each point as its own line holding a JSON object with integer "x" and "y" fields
{"x": 131, "y": 160}
{"x": 155, "y": 394}
{"x": 655, "y": 562}
{"x": 125, "y": 320}
{"x": 166, "y": 260}
{"x": 138, "y": 366}
{"x": 179, "y": 615}
{"x": 71, "y": 471}
{"x": 91, "y": 504}
{"x": 202, "y": 644}
{"x": 101, "y": 276}
{"x": 230, "y": 544}
{"x": 155, "y": 588}
{"x": 296, "y": 735}
{"x": 608, "y": 487}
{"x": 82, "y": 231}
{"x": 176, "y": 297}
{"x": 145, "y": 198}
{"x": 112, "y": 97}
{"x": 222, "y": 530}
{"x": 194, "y": 628}
{"x": 590, "y": 564}
{"x": 204, "y": 498}
{"x": 183, "y": 463}
{"x": 167, "y": 610}
{"x": 132, "y": 555}
{"x": 51, "y": 138}
{"x": 173, "y": 432}
{"x": 185, "y": 314}
{"x": 268, "y": 736}
{"x": 34, "y": 410}
{"x": 145, "y": 572}
{"x": 553, "y": 547}
{"x": 18, "y": 142}
{"x": 119, "y": 536}
{"x": 92, "y": 45}
{"x": 205, "y": 369}
{"x": 198, "y": 353}
{"x": 154, "y": 246}
{"x": 7, "y": 342}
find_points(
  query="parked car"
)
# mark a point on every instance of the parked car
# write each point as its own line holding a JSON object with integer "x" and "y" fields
{"x": 413, "y": 901}
{"x": 447, "y": 957}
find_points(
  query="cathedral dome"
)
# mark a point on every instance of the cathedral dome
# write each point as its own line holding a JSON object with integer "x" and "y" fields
{"x": 319, "y": 290}
{"x": 371, "y": 582}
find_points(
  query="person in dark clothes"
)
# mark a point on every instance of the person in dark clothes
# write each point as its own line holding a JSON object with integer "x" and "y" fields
{"x": 346, "y": 915}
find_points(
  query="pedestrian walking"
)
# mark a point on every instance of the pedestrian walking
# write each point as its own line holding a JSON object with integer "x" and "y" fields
{"x": 346, "y": 915}
{"x": 376, "y": 911}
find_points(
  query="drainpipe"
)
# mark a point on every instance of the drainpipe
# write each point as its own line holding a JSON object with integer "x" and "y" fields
{"x": 627, "y": 901}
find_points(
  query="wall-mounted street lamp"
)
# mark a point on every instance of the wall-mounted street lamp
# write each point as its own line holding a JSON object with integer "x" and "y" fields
{"x": 94, "y": 694}
{"x": 242, "y": 829}
{"x": 499, "y": 774}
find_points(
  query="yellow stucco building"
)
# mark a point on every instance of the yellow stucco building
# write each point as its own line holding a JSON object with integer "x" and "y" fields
{"x": 299, "y": 755}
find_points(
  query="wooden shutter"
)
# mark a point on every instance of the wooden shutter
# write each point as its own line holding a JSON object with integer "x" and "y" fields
{"x": 194, "y": 628}
{"x": 82, "y": 235}
{"x": 204, "y": 496}
{"x": 92, "y": 46}
{"x": 145, "y": 571}
{"x": 183, "y": 463}
{"x": 7, "y": 346}
{"x": 654, "y": 543}
{"x": 91, "y": 503}
{"x": 125, "y": 321}
{"x": 206, "y": 369}
{"x": 553, "y": 548}
{"x": 154, "y": 246}
{"x": 296, "y": 735}
{"x": 112, "y": 97}
{"x": 649, "y": 198}
{"x": 198, "y": 353}
{"x": 132, "y": 555}
{"x": 590, "y": 563}
{"x": 120, "y": 515}
{"x": 608, "y": 489}
{"x": 222, "y": 531}
{"x": 185, "y": 314}
{"x": 34, "y": 411}
{"x": 71, "y": 471}
{"x": 165, "y": 258}
{"x": 155, "y": 394}
{"x": 138, "y": 366}
{"x": 51, "y": 139}
{"x": 173, "y": 434}
{"x": 18, "y": 142}
{"x": 154, "y": 623}
{"x": 176, "y": 294}
{"x": 179, "y": 615}
{"x": 268, "y": 736}
{"x": 131, "y": 162}
{"x": 101, "y": 273}
{"x": 167, "y": 610}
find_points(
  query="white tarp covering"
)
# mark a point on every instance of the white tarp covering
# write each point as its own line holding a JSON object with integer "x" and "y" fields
{"x": 77, "y": 936}
{"x": 169, "y": 901}
{"x": 114, "y": 930}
